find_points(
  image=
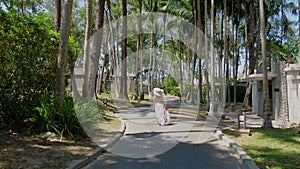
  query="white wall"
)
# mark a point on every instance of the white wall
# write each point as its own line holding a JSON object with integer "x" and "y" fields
{"x": 293, "y": 82}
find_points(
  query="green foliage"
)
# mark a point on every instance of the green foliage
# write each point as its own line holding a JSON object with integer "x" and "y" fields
{"x": 28, "y": 64}
{"x": 89, "y": 114}
{"x": 29, "y": 49}
{"x": 170, "y": 82}
{"x": 204, "y": 101}
{"x": 170, "y": 85}
{"x": 282, "y": 52}
{"x": 175, "y": 91}
{"x": 270, "y": 148}
{"x": 132, "y": 95}
{"x": 46, "y": 112}
{"x": 63, "y": 120}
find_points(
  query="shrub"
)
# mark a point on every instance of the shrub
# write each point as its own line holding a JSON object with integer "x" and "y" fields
{"x": 28, "y": 64}
{"x": 29, "y": 50}
{"x": 72, "y": 118}
{"x": 175, "y": 91}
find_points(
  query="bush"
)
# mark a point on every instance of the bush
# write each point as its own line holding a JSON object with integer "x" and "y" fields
{"x": 59, "y": 119}
{"x": 69, "y": 119}
{"x": 89, "y": 113}
{"x": 175, "y": 91}
{"x": 29, "y": 49}
{"x": 170, "y": 86}
{"x": 132, "y": 96}
{"x": 28, "y": 64}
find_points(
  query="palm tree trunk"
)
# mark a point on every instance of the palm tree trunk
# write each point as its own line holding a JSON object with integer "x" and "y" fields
{"x": 140, "y": 50}
{"x": 266, "y": 105}
{"x": 162, "y": 52}
{"x": 236, "y": 63}
{"x": 63, "y": 50}
{"x": 180, "y": 70}
{"x": 124, "y": 94}
{"x": 198, "y": 2}
{"x": 206, "y": 53}
{"x": 113, "y": 46}
{"x": 299, "y": 29}
{"x": 94, "y": 65}
{"x": 212, "y": 61}
{"x": 57, "y": 15}
{"x": 246, "y": 52}
{"x": 225, "y": 25}
{"x": 252, "y": 58}
{"x": 233, "y": 54}
{"x": 86, "y": 57}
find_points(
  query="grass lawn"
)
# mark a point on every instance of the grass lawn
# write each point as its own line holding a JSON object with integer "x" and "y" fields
{"x": 270, "y": 148}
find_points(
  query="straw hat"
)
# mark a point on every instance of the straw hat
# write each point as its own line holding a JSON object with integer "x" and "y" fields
{"x": 158, "y": 92}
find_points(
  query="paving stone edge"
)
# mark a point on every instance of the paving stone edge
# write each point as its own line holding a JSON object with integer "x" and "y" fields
{"x": 244, "y": 158}
{"x": 76, "y": 164}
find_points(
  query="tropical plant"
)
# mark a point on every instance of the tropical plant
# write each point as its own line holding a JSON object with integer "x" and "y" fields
{"x": 29, "y": 49}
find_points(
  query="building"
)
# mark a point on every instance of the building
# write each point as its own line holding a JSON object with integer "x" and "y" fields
{"x": 284, "y": 92}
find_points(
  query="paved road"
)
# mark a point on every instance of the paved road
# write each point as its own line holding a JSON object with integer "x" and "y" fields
{"x": 185, "y": 144}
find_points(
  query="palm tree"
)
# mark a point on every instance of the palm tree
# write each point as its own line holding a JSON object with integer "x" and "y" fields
{"x": 197, "y": 3}
{"x": 86, "y": 57}
{"x": 140, "y": 52}
{"x": 299, "y": 29}
{"x": 123, "y": 93}
{"x": 94, "y": 65}
{"x": 206, "y": 51}
{"x": 252, "y": 57}
{"x": 233, "y": 53}
{"x": 225, "y": 25}
{"x": 57, "y": 16}
{"x": 266, "y": 106}
{"x": 212, "y": 61}
{"x": 63, "y": 50}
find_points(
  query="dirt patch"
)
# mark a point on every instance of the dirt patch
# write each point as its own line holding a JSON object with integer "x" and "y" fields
{"x": 47, "y": 150}
{"x": 19, "y": 151}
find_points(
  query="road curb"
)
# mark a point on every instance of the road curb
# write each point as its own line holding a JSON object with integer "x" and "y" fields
{"x": 76, "y": 164}
{"x": 244, "y": 158}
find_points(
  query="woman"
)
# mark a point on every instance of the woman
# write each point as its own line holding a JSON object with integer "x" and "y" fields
{"x": 160, "y": 108}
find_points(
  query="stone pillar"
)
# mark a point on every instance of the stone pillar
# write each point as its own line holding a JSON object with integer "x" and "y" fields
{"x": 254, "y": 97}
{"x": 260, "y": 98}
{"x": 276, "y": 85}
{"x": 284, "y": 106}
{"x": 293, "y": 92}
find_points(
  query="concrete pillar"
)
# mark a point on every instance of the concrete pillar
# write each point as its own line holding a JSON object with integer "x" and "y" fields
{"x": 293, "y": 91}
{"x": 260, "y": 98}
{"x": 254, "y": 97}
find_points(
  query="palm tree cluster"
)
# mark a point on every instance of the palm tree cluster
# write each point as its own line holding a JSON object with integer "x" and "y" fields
{"x": 246, "y": 35}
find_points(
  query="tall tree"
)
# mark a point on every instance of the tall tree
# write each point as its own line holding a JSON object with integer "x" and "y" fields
{"x": 252, "y": 57}
{"x": 226, "y": 56}
{"x": 233, "y": 52}
{"x": 63, "y": 50}
{"x": 94, "y": 65}
{"x": 199, "y": 25}
{"x": 212, "y": 61}
{"x": 140, "y": 50}
{"x": 57, "y": 15}
{"x": 123, "y": 93}
{"x": 86, "y": 57}
{"x": 266, "y": 105}
{"x": 299, "y": 29}
{"x": 206, "y": 50}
